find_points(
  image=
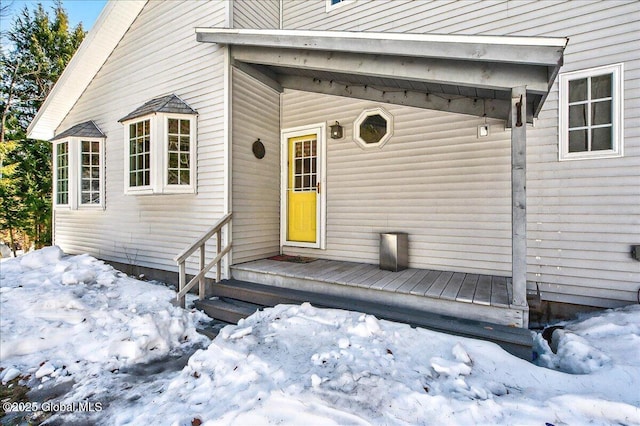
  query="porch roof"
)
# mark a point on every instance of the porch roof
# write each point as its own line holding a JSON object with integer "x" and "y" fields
{"x": 456, "y": 73}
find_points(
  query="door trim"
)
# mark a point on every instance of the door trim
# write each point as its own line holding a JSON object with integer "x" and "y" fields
{"x": 321, "y": 212}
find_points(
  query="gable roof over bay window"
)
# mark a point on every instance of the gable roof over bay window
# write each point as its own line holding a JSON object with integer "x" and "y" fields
{"x": 171, "y": 104}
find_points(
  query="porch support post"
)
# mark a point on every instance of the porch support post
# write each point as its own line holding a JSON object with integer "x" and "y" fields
{"x": 519, "y": 196}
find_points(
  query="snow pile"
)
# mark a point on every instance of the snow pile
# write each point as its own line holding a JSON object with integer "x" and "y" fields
{"x": 302, "y": 365}
{"x": 74, "y": 318}
{"x": 595, "y": 342}
{"x": 76, "y": 321}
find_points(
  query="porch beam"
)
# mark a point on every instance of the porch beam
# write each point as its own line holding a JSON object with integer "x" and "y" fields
{"x": 262, "y": 74}
{"x": 492, "y": 108}
{"x": 519, "y": 196}
{"x": 529, "y": 50}
{"x": 495, "y": 76}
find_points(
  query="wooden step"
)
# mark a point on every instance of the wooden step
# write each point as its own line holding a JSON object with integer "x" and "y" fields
{"x": 517, "y": 341}
{"x": 227, "y": 310}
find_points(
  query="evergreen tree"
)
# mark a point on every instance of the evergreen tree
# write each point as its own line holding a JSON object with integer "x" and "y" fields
{"x": 40, "y": 46}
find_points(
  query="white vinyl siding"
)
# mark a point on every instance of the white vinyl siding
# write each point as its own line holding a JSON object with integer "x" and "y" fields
{"x": 256, "y": 182}
{"x": 447, "y": 189}
{"x": 157, "y": 56}
{"x": 333, "y": 4}
{"x": 261, "y": 14}
{"x": 582, "y": 216}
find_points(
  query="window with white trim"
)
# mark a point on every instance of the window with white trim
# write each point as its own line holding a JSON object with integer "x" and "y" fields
{"x": 62, "y": 173}
{"x": 140, "y": 154}
{"x": 591, "y": 108}
{"x": 79, "y": 173}
{"x": 160, "y": 154}
{"x": 90, "y": 173}
{"x": 373, "y": 128}
{"x": 333, "y": 4}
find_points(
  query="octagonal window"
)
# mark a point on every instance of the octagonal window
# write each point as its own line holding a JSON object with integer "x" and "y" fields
{"x": 373, "y": 128}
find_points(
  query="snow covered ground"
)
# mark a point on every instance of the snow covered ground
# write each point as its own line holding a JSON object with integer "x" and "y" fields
{"x": 110, "y": 349}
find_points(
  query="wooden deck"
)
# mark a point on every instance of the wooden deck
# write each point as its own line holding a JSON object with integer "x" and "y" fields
{"x": 471, "y": 296}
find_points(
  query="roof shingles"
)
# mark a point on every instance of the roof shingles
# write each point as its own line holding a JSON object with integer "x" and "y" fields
{"x": 88, "y": 129}
{"x": 168, "y": 104}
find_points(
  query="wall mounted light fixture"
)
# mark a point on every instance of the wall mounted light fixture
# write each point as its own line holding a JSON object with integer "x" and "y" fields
{"x": 336, "y": 131}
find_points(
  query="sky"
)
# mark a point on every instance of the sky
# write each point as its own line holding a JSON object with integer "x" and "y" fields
{"x": 112, "y": 350}
{"x": 85, "y": 11}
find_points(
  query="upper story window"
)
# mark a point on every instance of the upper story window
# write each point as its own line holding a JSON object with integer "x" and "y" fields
{"x": 160, "y": 147}
{"x": 373, "y": 128}
{"x": 79, "y": 167}
{"x": 333, "y": 4}
{"x": 591, "y": 108}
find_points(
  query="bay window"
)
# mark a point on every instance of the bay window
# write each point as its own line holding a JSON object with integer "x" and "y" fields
{"x": 160, "y": 148}
{"x": 78, "y": 172}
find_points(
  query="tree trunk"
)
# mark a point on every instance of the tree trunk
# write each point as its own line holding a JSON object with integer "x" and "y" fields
{"x": 12, "y": 242}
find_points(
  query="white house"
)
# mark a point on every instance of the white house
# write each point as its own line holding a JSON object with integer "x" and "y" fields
{"x": 503, "y": 137}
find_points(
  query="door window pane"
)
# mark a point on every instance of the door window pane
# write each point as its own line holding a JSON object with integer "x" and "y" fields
{"x": 305, "y": 162}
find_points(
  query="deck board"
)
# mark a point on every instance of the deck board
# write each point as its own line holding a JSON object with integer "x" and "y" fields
{"x": 499, "y": 295}
{"x": 439, "y": 284}
{"x": 461, "y": 287}
{"x": 344, "y": 269}
{"x": 450, "y": 292}
{"x": 402, "y": 278}
{"x": 468, "y": 288}
{"x": 388, "y": 278}
{"x": 426, "y": 283}
{"x": 348, "y": 278}
{"x": 369, "y": 281}
{"x": 326, "y": 271}
{"x": 408, "y": 285}
{"x": 482, "y": 295}
{"x": 362, "y": 278}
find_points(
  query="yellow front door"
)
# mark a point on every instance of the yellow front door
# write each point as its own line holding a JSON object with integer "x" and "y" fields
{"x": 302, "y": 189}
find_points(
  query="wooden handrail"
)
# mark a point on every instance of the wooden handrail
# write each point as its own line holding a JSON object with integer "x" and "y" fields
{"x": 205, "y": 237}
{"x": 200, "y": 244}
